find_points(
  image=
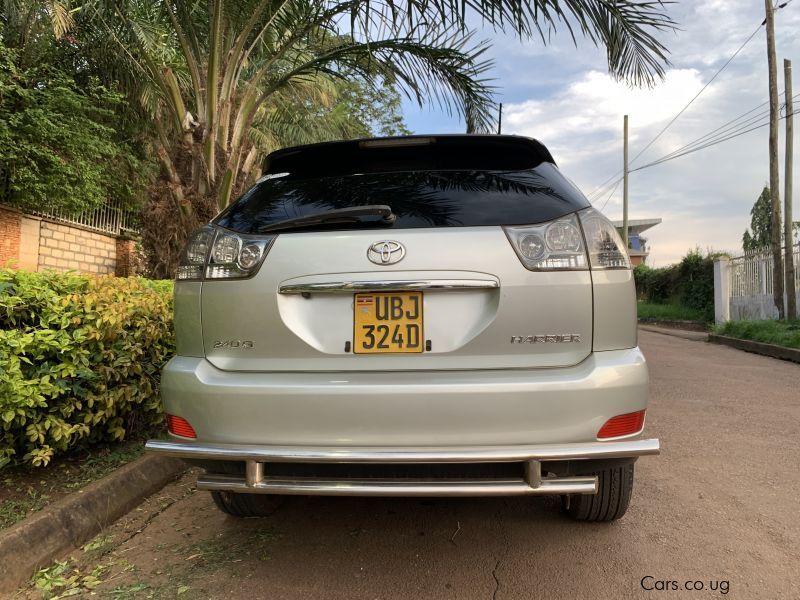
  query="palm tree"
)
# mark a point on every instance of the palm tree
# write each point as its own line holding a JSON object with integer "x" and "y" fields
{"x": 209, "y": 69}
{"x": 220, "y": 79}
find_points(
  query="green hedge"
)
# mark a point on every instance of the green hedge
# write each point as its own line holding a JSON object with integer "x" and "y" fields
{"x": 80, "y": 359}
{"x": 690, "y": 283}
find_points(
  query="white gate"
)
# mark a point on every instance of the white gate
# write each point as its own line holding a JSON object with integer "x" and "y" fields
{"x": 743, "y": 286}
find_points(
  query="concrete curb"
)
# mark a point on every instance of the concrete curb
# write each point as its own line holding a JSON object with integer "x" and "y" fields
{"x": 771, "y": 350}
{"x": 695, "y": 336}
{"x": 67, "y": 523}
{"x": 685, "y": 325}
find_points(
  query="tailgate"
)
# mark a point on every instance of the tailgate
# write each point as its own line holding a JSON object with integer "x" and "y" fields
{"x": 480, "y": 307}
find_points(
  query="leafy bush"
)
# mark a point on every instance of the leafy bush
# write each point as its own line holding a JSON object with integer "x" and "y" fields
{"x": 689, "y": 283}
{"x": 64, "y": 145}
{"x": 80, "y": 359}
{"x": 656, "y": 286}
{"x": 697, "y": 282}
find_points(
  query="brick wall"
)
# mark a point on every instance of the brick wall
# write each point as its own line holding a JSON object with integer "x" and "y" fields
{"x": 36, "y": 243}
{"x": 9, "y": 236}
{"x": 63, "y": 247}
{"x": 127, "y": 257}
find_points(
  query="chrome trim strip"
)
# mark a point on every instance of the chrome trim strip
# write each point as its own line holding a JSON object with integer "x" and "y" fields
{"x": 445, "y": 454}
{"x": 399, "y": 487}
{"x": 336, "y": 287}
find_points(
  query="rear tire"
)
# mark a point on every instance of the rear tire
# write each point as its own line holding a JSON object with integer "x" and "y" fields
{"x": 247, "y": 505}
{"x": 614, "y": 490}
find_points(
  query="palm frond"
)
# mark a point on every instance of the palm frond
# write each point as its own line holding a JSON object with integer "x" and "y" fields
{"x": 628, "y": 29}
{"x": 60, "y": 17}
{"x": 448, "y": 71}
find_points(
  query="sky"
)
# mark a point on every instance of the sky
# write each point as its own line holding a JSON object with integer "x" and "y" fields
{"x": 562, "y": 95}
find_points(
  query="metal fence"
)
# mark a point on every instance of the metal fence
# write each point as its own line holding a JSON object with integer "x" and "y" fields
{"x": 751, "y": 273}
{"x": 111, "y": 217}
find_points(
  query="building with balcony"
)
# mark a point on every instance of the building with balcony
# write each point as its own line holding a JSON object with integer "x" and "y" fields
{"x": 637, "y": 245}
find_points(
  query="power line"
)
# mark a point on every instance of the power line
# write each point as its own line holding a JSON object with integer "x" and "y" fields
{"x": 726, "y": 129}
{"x": 614, "y": 189}
{"x": 708, "y": 140}
{"x": 697, "y": 95}
{"x": 724, "y": 132}
{"x": 707, "y": 145}
{"x": 600, "y": 190}
{"x": 731, "y": 125}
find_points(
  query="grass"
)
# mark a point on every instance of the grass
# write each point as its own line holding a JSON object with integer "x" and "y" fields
{"x": 669, "y": 312}
{"x": 780, "y": 333}
{"x": 25, "y": 490}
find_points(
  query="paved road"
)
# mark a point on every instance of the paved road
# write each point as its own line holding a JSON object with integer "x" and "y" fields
{"x": 719, "y": 506}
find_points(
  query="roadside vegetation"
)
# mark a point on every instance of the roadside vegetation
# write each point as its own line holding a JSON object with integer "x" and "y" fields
{"x": 780, "y": 333}
{"x": 80, "y": 361}
{"x": 27, "y": 489}
{"x": 171, "y": 107}
{"x": 669, "y": 312}
{"x": 683, "y": 291}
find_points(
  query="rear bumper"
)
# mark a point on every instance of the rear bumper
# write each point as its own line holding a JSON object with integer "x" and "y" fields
{"x": 383, "y": 455}
{"x": 257, "y": 480}
{"x": 414, "y": 409}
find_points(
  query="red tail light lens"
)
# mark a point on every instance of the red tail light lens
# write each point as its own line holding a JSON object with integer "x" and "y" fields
{"x": 622, "y": 425}
{"x": 180, "y": 426}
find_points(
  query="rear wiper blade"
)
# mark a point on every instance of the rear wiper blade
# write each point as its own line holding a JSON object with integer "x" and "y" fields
{"x": 350, "y": 214}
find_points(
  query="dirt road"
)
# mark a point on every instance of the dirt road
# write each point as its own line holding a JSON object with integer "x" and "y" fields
{"x": 719, "y": 507}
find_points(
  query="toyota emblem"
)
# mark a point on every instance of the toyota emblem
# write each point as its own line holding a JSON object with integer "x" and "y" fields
{"x": 386, "y": 252}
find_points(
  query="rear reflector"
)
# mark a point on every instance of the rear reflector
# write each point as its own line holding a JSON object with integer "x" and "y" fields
{"x": 180, "y": 426}
{"x": 622, "y": 425}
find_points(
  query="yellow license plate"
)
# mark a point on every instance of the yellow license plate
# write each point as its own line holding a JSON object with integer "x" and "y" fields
{"x": 388, "y": 322}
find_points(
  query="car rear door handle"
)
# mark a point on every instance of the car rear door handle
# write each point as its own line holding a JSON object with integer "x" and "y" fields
{"x": 337, "y": 287}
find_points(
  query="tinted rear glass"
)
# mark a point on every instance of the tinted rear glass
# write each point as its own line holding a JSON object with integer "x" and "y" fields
{"x": 419, "y": 198}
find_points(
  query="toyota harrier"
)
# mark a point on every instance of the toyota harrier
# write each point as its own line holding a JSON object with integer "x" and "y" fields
{"x": 411, "y": 316}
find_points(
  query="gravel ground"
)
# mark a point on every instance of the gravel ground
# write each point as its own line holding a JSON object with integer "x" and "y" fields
{"x": 719, "y": 507}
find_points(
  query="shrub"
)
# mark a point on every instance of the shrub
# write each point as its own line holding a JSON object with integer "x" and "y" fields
{"x": 64, "y": 145}
{"x": 697, "y": 282}
{"x": 80, "y": 359}
{"x": 690, "y": 283}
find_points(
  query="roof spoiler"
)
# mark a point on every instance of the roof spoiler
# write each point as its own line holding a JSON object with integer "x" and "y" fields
{"x": 411, "y": 153}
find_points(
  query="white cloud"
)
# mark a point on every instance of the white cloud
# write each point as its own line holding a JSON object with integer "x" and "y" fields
{"x": 591, "y": 108}
{"x": 562, "y": 95}
{"x": 704, "y": 198}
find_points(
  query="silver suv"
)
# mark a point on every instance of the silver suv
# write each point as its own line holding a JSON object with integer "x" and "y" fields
{"x": 412, "y": 316}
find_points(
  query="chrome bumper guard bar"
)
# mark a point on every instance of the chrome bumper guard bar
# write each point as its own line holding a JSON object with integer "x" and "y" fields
{"x": 257, "y": 481}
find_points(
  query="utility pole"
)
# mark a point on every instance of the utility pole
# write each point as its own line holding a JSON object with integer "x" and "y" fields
{"x": 791, "y": 297}
{"x": 500, "y": 120}
{"x": 625, "y": 184}
{"x": 774, "y": 175}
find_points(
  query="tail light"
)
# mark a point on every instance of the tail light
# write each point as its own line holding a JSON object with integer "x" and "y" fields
{"x": 620, "y": 425}
{"x": 575, "y": 242}
{"x": 557, "y": 245}
{"x": 180, "y": 426}
{"x": 605, "y": 246}
{"x": 213, "y": 253}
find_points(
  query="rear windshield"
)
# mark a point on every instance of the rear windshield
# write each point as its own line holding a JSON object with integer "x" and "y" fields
{"x": 419, "y": 199}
